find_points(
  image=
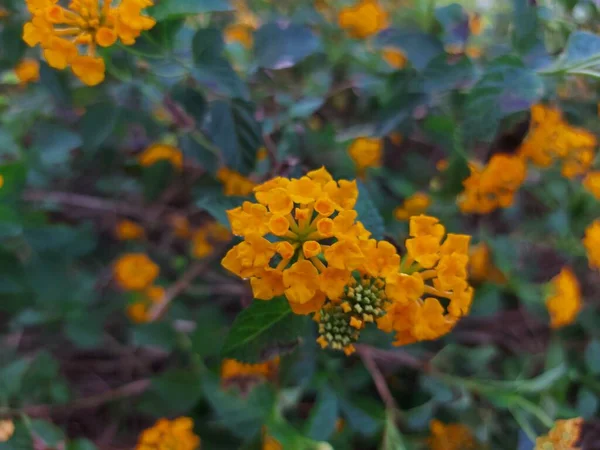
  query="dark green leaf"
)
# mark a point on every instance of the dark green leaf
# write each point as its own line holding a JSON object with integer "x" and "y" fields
{"x": 419, "y": 48}
{"x": 587, "y": 403}
{"x": 392, "y": 438}
{"x": 234, "y": 130}
{"x": 281, "y": 45}
{"x": 47, "y": 432}
{"x": 11, "y": 377}
{"x": 323, "y": 416}
{"x": 159, "y": 334}
{"x": 85, "y": 331}
{"x": 261, "y": 327}
{"x": 217, "y": 204}
{"x": 98, "y": 124}
{"x": 244, "y": 417}
{"x": 55, "y": 144}
{"x": 81, "y": 444}
{"x": 362, "y": 414}
{"x": 592, "y": 356}
{"x": 582, "y": 45}
{"x": 167, "y": 9}
{"x": 368, "y": 213}
{"x": 173, "y": 392}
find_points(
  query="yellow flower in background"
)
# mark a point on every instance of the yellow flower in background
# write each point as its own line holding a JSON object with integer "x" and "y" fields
{"x": 413, "y": 206}
{"x": 140, "y": 310}
{"x": 234, "y": 183}
{"x": 232, "y": 370}
{"x": 591, "y": 183}
{"x": 366, "y": 152}
{"x": 7, "y": 429}
{"x": 394, "y": 57}
{"x": 161, "y": 152}
{"x": 205, "y": 238}
{"x": 452, "y": 436}
{"x": 492, "y": 186}
{"x": 135, "y": 271}
{"x": 28, "y": 71}
{"x": 127, "y": 230}
{"x": 176, "y": 434}
{"x": 240, "y": 33}
{"x": 364, "y": 19}
{"x": 475, "y": 23}
{"x": 481, "y": 265}
{"x": 551, "y": 139}
{"x": 591, "y": 242}
{"x": 70, "y": 36}
{"x": 4, "y": 13}
{"x": 564, "y": 301}
{"x": 564, "y": 436}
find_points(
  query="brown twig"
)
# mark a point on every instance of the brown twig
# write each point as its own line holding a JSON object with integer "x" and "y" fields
{"x": 94, "y": 401}
{"x": 365, "y": 352}
{"x": 86, "y": 202}
{"x": 181, "y": 285}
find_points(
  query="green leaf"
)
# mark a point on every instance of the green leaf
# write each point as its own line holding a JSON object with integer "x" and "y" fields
{"x": 505, "y": 88}
{"x": 159, "y": 334}
{"x": 420, "y": 48}
{"x": 363, "y": 415}
{"x": 156, "y": 178}
{"x": 234, "y": 130}
{"x": 47, "y": 432}
{"x": 243, "y": 416}
{"x": 281, "y": 45}
{"x": 85, "y": 331}
{"x": 97, "y": 124}
{"x": 262, "y": 326}
{"x": 592, "y": 356}
{"x": 81, "y": 444}
{"x": 290, "y": 438}
{"x": 587, "y": 403}
{"x": 56, "y": 83}
{"x": 172, "y": 392}
{"x": 368, "y": 213}
{"x": 212, "y": 68}
{"x": 455, "y": 22}
{"x": 168, "y": 9}
{"x": 443, "y": 74}
{"x": 55, "y": 144}
{"x": 582, "y": 47}
{"x": 323, "y": 415}
{"x": 10, "y": 379}
{"x": 217, "y": 204}
{"x": 392, "y": 438}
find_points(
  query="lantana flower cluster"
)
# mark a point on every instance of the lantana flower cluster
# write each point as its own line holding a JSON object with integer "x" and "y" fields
{"x": 71, "y": 36}
{"x": 564, "y": 299}
{"x": 494, "y": 185}
{"x": 551, "y": 139}
{"x": 364, "y": 19}
{"x": 176, "y": 434}
{"x": 302, "y": 240}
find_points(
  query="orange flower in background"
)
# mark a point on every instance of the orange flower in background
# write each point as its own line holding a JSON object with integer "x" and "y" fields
{"x": 270, "y": 443}
{"x": 234, "y": 183}
{"x": 205, "y": 238}
{"x": 564, "y": 436}
{"x": 135, "y": 271}
{"x": 161, "y": 152}
{"x": 240, "y": 33}
{"x": 591, "y": 242}
{"x": 181, "y": 226}
{"x": 475, "y": 24}
{"x": 551, "y": 139}
{"x": 232, "y": 370}
{"x": 176, "y": 434}
{"x": 28, "y": 71}
{"x": 394, "y": 57}
{"x": 366, "y": 152}
{"x": 7, "y": 429}
{"x": 481, "y": 265}
{"x": 140, "y": 310}
{"x": 364, "y": 19}
{"x": 452, "y": 436}
{"x": 591, "y": 183}
{"x": 127, "y": 230}
{"x": 492, "y": 186}
{"x": 413, "y": 206}
{"x": 70, "y": 36}
{"x": 564, "y": 301}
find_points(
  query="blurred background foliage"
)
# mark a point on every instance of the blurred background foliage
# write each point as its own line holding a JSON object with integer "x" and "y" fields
{"x": 234, "y": 93}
